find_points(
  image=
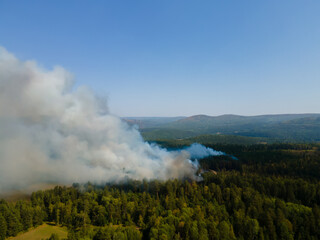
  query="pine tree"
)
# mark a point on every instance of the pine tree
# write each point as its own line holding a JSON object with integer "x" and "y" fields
{"x": 3, "y": 228}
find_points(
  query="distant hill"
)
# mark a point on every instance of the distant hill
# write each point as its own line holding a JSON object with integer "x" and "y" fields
{"x": 282, "y": 128}
{"x": 233, "y": 122}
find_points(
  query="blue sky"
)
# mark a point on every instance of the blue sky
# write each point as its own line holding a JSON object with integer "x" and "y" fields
{"x": 177, "y": 58}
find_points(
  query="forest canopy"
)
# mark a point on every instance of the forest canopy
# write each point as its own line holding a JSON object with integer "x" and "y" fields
{"x": 270, "y": 192}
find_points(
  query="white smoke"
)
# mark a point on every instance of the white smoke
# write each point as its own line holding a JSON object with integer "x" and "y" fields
{"x": 198, "y": 151}
{"x": 52, "y": 133}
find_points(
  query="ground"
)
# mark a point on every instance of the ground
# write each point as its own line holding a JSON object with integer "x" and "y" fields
{"x": 42, "y": 232}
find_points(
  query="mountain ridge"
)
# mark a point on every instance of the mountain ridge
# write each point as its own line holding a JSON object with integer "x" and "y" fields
{"x": 284, "y": 127}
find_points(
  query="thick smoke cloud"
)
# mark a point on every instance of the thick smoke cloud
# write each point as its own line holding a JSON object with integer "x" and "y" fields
{"x": 50, "y": 132}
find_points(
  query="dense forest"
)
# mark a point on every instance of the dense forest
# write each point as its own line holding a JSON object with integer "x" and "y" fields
{"x": 269, "y": 192}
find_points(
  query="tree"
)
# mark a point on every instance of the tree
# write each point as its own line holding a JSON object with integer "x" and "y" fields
{"x": 252, "y": 228}
{"x": 194, "y": 232}
{"x": 226, "y": 231}
{"x": 54, "y": 236}
{"x": 133, "y": 234}
{"x": 13, "y": 225}
{"x": 3, "y": 228}
{"x": 212, "y": 229}
{"x": 99, "y": 216}
{"x": 26, "y": 212}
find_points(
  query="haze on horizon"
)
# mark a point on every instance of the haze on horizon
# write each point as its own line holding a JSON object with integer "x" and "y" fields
{"x": 177, "y": 58}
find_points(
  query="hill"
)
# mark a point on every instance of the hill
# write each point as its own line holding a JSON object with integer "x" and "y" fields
{"x": 281, "y": 128}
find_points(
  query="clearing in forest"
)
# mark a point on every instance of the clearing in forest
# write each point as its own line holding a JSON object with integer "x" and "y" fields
{"x": 42, "y": 232}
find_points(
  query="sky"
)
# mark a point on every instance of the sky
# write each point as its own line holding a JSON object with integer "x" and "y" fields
{"x": 176, "y": 58}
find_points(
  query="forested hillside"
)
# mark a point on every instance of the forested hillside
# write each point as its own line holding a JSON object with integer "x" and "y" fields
{"x": 271, "y": 192}
{"x": 272, "y": 128}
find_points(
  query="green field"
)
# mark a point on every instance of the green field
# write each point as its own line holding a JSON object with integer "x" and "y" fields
{"x": 42, "y": 232}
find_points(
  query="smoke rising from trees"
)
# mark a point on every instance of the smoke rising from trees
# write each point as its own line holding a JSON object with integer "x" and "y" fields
{"x": 198, "y": 151}
{"x": 50, "y": 132}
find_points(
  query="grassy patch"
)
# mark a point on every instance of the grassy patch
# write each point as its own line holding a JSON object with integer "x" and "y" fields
{"x": 42, "y": 232}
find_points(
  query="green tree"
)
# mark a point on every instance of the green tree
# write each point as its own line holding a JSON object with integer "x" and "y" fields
{"x": 13, "y": 225}
{"x": 252, "y": 228}
{"x": 54, "y": 236}
{"x": 194, "y": 231}
{"x": 38, "y": 216}
{"x": 3, "y": 228}
{"x": 99, "y": 216}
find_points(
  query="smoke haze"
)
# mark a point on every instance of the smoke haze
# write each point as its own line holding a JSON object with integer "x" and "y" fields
{"x": 50, "y": 132}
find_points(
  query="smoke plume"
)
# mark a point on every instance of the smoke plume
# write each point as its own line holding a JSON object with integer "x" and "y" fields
{"x": 198, "y": 151}
{"x": 51, "y": 132}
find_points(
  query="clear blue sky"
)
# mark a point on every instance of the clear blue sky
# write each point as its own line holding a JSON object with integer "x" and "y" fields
{"x": 170, "y": 58}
